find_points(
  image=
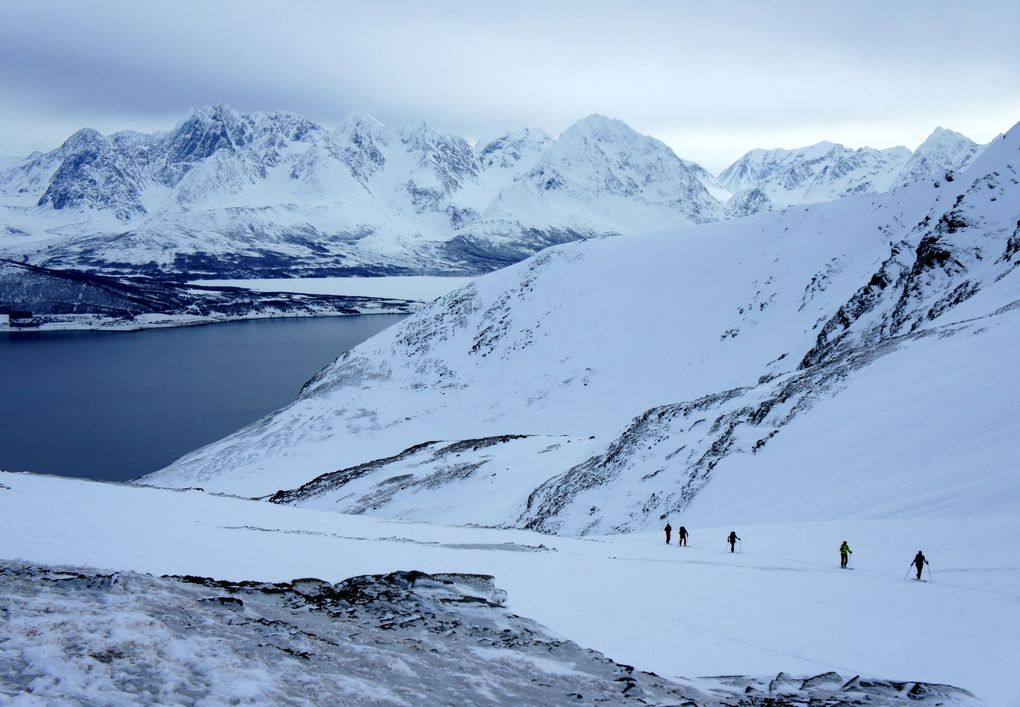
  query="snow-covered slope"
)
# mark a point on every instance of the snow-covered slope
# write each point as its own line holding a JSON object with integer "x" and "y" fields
{"x": 649, "y": 375}
{"x": 232, "y": 194}
{"x": 828, "y": 171}
{"x": 257, "y": 634}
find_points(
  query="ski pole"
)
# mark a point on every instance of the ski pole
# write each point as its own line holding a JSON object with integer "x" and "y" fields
{"x": 929, "y": 575}
{"x": 741, "y": 544}
{"x": 908, "y": 570}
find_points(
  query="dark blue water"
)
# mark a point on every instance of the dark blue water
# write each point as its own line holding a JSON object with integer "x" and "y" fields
{"x": 117, "y": 405}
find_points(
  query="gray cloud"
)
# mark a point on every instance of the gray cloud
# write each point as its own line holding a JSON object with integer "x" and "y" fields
{"x": 708, "y": 80}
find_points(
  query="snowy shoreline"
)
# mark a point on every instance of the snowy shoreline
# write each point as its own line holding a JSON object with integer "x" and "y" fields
{"x": 419, "y": 288}
{"x": 356, "y": 295}
{"x": 88, "y": 322}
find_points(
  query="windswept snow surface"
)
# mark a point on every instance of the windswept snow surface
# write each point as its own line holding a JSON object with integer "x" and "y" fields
{"x": 781, "y": 604}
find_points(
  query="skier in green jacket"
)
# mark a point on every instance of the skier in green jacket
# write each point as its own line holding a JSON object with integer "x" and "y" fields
{"x": 844, "y": 554}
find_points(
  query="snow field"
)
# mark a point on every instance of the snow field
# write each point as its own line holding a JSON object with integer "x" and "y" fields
{"x": 782, "y": 604}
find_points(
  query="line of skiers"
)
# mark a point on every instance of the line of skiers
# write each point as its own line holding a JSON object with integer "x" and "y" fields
{"x": 918, "y": 562}
{"x": 681, "y": 535}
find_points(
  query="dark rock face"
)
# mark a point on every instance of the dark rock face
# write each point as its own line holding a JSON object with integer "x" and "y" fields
{"x": 94, "y": 175}
{"x": 449, "y": 157}
{"x": 749, "y": 202}
{"x": 438, "y": 455}
{"x": 471, "y": 252}
{"x": 399, "y": 638}
{"x": 958, "y": 252}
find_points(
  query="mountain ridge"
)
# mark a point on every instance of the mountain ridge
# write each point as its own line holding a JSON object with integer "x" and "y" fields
{"x": 230, "y": 194}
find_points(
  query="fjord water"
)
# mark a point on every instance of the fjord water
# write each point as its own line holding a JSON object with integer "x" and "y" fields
{"x": 116, "y": 405}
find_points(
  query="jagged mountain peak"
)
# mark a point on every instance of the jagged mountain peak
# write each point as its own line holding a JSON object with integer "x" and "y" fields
{"x": 362, "y": 140}
{"x": 93, "y": 174}
{"x": 942, "y": 139}
{"x": 204, "y": 131}
{"x": 598, "y": 133}
{"x": 602, "y": 143}
{"x": 942, "y": 151}
{"x": 940, "y": 134}
{"x": 80, "y": 140}
{"x": 447, "y": 161}
{"x": 211, "y": 128}
{"x": 509, "y": 149}
{"x": 599, "y": 157}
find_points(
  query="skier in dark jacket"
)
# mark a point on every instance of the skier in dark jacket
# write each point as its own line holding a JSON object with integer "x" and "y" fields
{"x": 668, "y": 529}
{"x": 844, "y": 554}
{"x": 681, "y": 537}
{"x": 919, "y": 562}
{"x": 732, "y": 539}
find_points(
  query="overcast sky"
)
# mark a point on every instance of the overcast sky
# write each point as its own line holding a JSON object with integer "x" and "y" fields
{"x": 711, "y": 79}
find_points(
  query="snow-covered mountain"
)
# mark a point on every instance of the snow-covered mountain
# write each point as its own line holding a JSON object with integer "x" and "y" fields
{"x": 232, "y": 194}
{"x": 229, "y": 194}
{"x": 605, "y": 386}
{"x": 828, "y": 171}
{"x": 944, "y": 151}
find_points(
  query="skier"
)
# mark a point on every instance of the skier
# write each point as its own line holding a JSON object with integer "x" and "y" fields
{"x": 844, "y": 554}
{"x": 732, "y": 539}
{"x": 668, "y": 529}
{"x": 919, "y": 562}
{"x": 681, "y": 537}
